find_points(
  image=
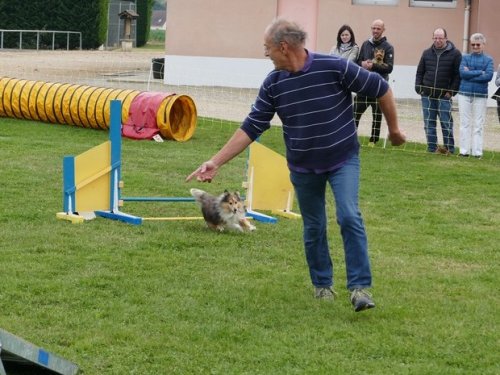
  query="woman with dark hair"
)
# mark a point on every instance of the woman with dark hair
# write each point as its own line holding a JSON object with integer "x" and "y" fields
{"x": 346, "y": 44}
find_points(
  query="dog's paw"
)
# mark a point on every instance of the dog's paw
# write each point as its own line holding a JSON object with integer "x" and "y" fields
{"x": 246, "y": 225}
{"x": 238, "y": 227}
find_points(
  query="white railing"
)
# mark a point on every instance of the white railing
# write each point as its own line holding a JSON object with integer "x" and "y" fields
{"x": 38, "y": 34}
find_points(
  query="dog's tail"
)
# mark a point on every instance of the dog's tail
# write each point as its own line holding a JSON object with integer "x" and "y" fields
{"x": 198, "y": 194}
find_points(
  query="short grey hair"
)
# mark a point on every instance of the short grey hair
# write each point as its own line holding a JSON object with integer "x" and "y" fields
{"x": 282, "y": 30}
{"x": 478, "y": 37}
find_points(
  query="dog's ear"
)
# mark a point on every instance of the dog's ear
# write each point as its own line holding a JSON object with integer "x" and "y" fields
{"x": 237, "y": 193}
{"x": 224, "y": 197}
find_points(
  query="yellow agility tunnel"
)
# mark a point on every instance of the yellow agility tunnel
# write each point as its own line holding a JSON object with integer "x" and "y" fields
{"x": 173, "y": 116}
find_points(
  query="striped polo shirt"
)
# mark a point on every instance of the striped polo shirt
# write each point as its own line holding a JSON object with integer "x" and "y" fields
{"x": 315, "y": 108}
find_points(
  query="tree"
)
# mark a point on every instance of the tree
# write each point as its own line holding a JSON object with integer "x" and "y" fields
{"x": 144, "y": 9}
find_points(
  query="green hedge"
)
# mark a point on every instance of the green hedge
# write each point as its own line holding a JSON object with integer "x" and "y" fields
{"x": 90, "y": 17}
{"x": 144, "y": 9}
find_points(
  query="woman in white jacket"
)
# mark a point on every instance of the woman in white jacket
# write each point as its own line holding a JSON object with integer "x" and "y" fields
{"x": 346, "y": 46}
{"x": 496, "y": 95}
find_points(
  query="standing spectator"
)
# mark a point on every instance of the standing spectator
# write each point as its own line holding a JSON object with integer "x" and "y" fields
{"x": 437, "y": 81}
{"x": 346, "y": 46}
{"x": 496, "y": 95}
{"x": 476, "y": 70}
{"x": 376, "y": 55}
{"x": 311, "y": 93}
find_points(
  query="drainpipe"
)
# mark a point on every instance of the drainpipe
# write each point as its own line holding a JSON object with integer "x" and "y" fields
{"x": 465, "y": 41}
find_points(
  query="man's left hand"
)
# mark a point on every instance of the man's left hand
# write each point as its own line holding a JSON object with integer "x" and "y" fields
{"x": 397, "y": 138}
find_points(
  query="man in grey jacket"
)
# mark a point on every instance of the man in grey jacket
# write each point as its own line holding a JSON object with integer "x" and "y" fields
{"x": 437, "y": 81}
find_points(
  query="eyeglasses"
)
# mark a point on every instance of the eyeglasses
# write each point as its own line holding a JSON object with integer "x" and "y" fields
{"x": 475, "y": 44}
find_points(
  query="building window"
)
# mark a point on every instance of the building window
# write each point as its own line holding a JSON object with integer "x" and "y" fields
{"x": 375, "y": 2}
{"x": 434, "y": 3}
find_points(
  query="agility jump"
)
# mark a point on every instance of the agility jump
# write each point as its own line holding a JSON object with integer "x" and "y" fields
{"x": 92, "y": 183}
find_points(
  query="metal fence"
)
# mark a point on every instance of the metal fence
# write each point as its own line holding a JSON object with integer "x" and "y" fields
{"x": 42, "y": 37}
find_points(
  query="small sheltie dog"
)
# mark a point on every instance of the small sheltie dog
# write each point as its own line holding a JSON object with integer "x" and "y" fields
{"x": 223, "y": 211}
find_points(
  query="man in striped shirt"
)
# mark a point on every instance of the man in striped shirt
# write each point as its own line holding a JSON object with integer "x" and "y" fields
{"x": 311, "y": 94}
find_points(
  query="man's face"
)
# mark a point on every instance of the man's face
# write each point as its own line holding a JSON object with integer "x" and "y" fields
{"x": 439, "y": 39}
{"x": 377, "y": 30}
{"x": 275, "y": 52}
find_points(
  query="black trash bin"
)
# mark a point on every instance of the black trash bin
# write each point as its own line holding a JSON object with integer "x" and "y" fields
{"x": 158, "y": 67}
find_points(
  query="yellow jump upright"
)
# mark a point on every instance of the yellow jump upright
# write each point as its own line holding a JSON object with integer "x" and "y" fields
{"x": 91, "y": 182}
{"x": 268, "y": 182}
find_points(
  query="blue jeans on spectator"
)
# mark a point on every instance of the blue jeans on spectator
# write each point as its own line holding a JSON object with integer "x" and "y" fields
{"x": 310, "y": 189}
{"x": 432, "y": 108}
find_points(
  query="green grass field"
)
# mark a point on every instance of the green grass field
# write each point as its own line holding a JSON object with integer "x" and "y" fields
{"x": 176, "y": 298}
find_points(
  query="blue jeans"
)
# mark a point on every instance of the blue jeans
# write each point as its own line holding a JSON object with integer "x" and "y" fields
{"x": 433, "y": 108}
{"x": 310, "y": 189}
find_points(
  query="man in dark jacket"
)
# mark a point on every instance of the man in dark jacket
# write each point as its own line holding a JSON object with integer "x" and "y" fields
{"x": 376, "y": 55}
{"x": 437, "y": 81}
